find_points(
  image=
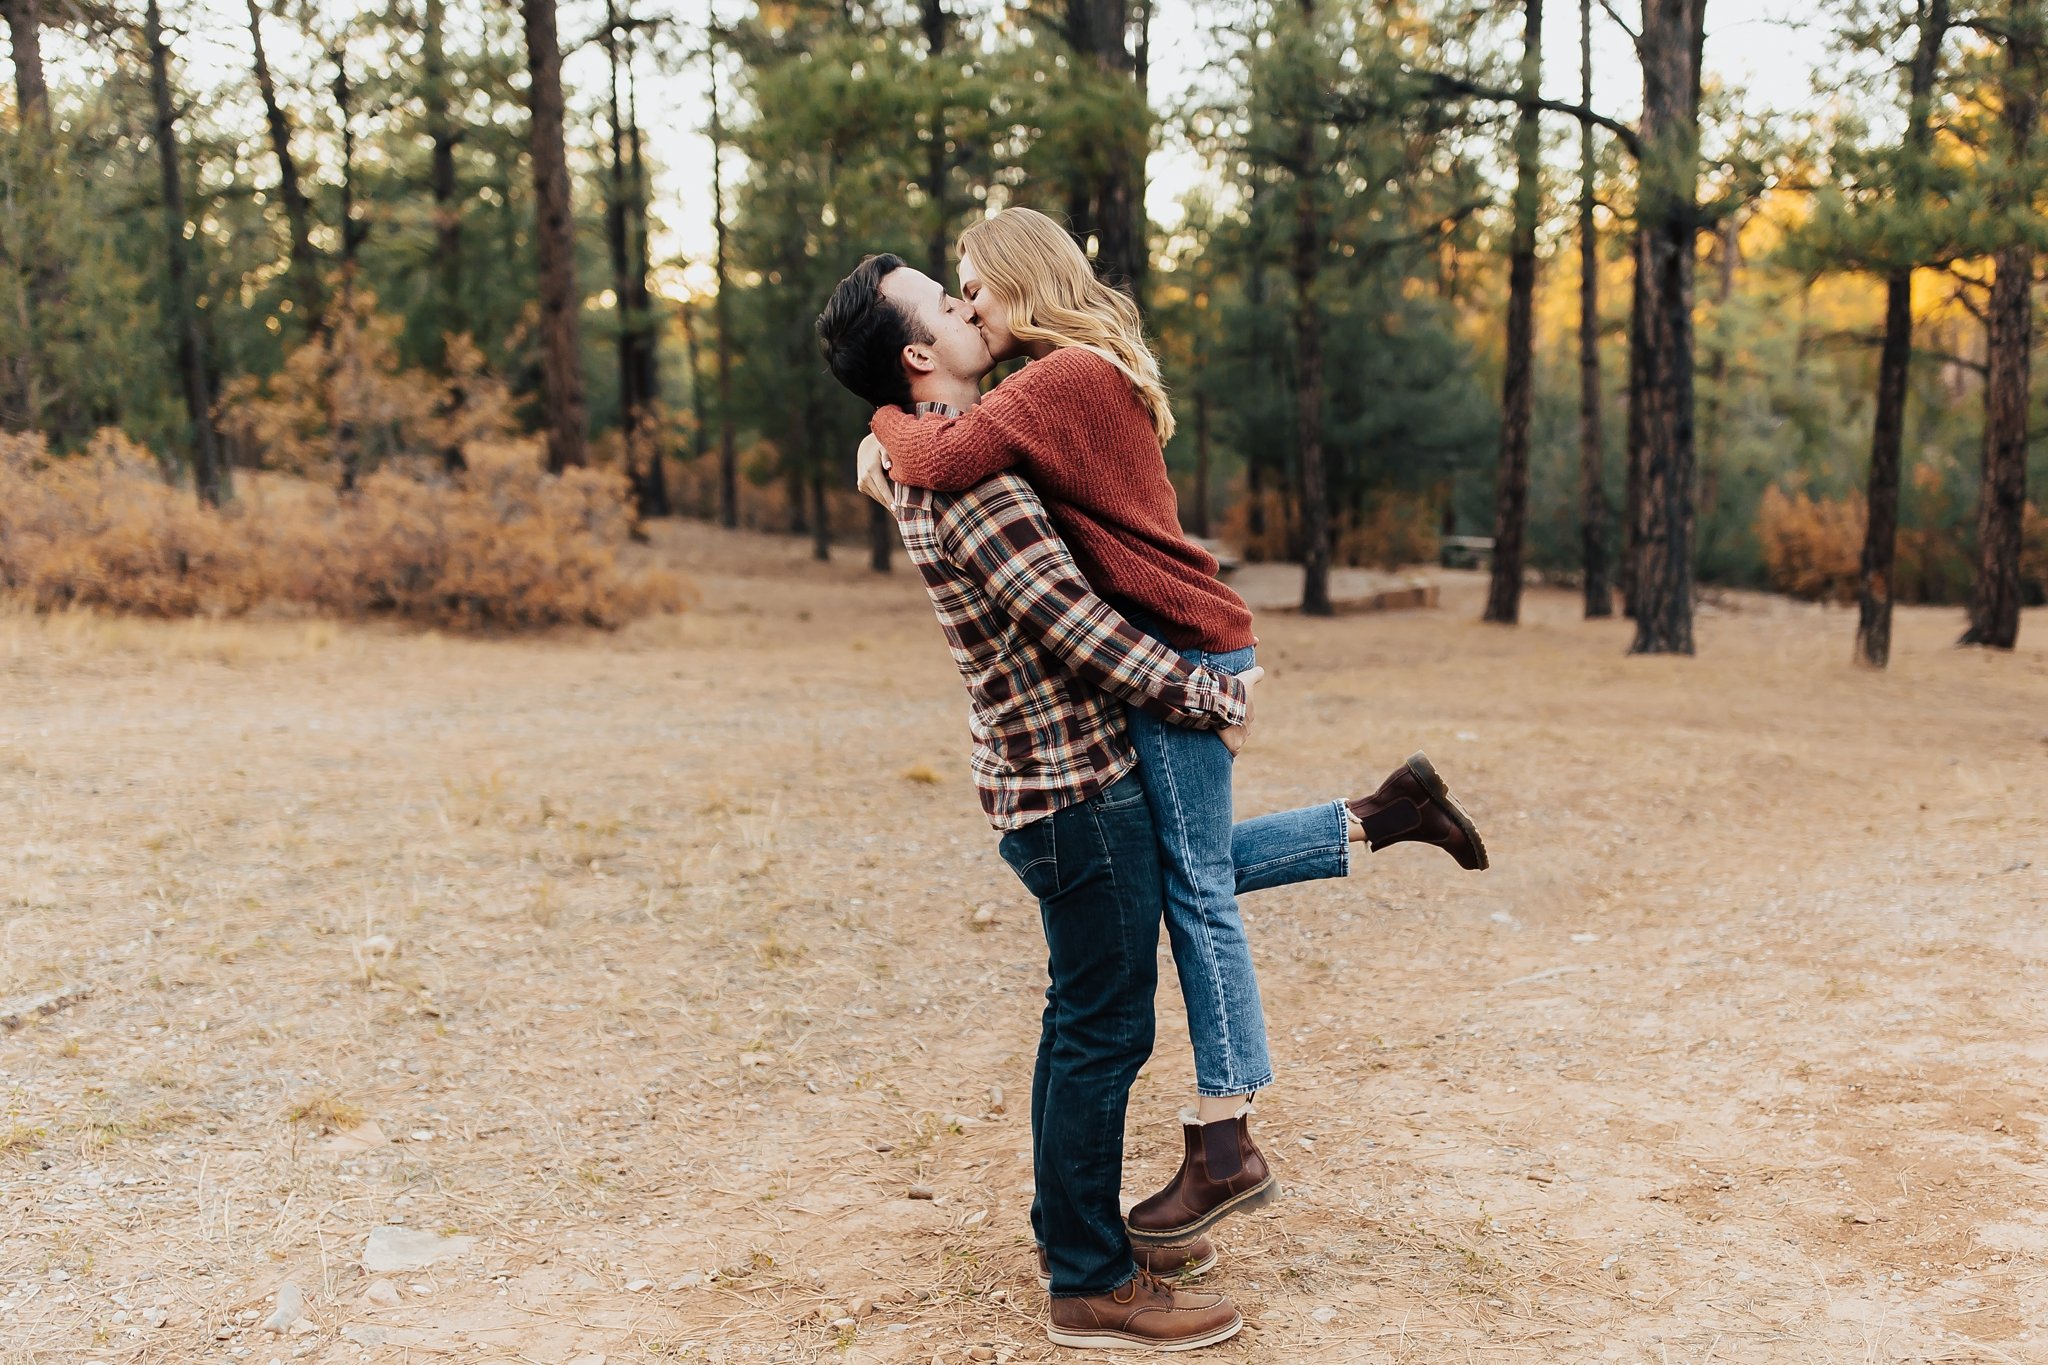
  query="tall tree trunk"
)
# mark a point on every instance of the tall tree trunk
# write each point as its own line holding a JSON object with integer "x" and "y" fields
{"x": 1670, "y": 44}
{"x": 1511, "y": 488}
{"x": 555, "y": 235}
{"x": 25, "y": 39}
{"x": 1110, "y": 205}
{"x": 933, "y": 15}
{"x": 181, "y": 309}
{"x": 1888, "y": 431}
{"x": 1308, "y": 379}
{"x": 1592, "y": 458}
{"x": 298, "y": 214}
{"x": 1199, "y": 522}
{"x": 821, "y": 517}
{"x": 646, "y": 324}
{"x": 2002, "y": 492}
{"x": 441, "y": 137}
{"x": 622, "y": 290}
{"x": 728, "y": 460}
{"x": 24, "y": 401}
{"x": 344, "y": 350}
{"x": 1636, "y": 432}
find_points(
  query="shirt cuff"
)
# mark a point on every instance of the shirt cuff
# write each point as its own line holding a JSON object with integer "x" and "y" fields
{"x": 1224, "y": 694}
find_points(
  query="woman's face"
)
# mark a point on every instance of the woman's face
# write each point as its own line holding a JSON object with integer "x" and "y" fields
{"x": 990, "y": 314}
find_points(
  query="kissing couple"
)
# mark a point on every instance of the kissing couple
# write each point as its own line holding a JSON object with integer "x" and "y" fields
{"x": 1111, "y": 677}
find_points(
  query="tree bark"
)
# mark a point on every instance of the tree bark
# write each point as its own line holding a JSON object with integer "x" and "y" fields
{"x": 1635, "y": 432}
{"x": 2002, "y": 492}
{"x": 1110, "y": 205}
{"x": 298, "y": 214}
{"x": 1199, "y": 522}
{"x": 25, "y": 37}
{"x": 209, "y": 472}
{"x": 1308, "y": 378}
{"x": 1511, "y": 487}
{"x": 646, "y": 325}
{"x": 555, "y": 236}
{"x": 441, "y": 137}
{"x": 1670, "y": 45}
{"x": 728, "y": 461}
{"x": 624, "y": 342}
{"x": 1887, "y": 436}
{"x": 933, "y": 16}
{"x": 1592, "y": 458}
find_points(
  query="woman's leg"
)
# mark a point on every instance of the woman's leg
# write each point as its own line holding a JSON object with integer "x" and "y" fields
{"x": 1187, "y": 783}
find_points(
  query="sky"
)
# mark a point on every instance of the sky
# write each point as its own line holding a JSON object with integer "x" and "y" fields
{"x": 1759, "y": 49}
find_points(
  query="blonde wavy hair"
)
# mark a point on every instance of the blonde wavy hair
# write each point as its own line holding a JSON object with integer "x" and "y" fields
{"x": 1030, "y": 263}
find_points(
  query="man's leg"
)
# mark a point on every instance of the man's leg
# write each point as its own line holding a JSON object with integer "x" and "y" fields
{"x": 1094, "y": 869}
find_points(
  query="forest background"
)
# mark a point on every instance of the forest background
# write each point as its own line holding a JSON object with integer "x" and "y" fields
{"x": 1738, "y": 338}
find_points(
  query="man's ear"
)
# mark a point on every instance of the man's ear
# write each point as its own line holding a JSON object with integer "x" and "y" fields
{"x": 919, "y": 359}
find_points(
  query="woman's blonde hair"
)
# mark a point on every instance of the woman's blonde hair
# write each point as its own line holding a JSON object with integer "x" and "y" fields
{"x": 1030, "y": 263}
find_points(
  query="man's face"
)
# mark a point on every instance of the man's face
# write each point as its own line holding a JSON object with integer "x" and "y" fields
{"x": 957, "y": 349}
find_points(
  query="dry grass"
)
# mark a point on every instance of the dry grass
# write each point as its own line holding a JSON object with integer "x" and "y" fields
{"x": 656, "y": 957}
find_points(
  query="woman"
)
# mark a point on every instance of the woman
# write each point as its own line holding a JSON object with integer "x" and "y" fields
{"x": 1086, "y": 422}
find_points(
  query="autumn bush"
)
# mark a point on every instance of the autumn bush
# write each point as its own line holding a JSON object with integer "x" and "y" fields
{"x": 1813, "y": 547}
{"x": 502, "y": 544}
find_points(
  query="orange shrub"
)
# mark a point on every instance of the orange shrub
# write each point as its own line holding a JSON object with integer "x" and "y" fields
{"x": 1395, "y": 529}
{"x": 1812, "y": 548}
{"x": 504, "y": 545}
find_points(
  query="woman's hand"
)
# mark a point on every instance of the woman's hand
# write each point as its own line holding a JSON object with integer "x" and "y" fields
{"x": 1234, "y": 737}
{"x": 873, "y": 478}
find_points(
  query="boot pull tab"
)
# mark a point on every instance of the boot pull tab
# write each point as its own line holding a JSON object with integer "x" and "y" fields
{"x": 1222, "y": 1153}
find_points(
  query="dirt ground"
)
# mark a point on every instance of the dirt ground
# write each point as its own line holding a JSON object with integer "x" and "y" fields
{"x": 663, "y": 967}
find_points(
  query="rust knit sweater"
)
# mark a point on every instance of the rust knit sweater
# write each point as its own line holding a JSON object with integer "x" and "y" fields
{"x": 1073, "y": 425}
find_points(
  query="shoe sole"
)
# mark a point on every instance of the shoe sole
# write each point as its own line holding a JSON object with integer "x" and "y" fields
{"x": 1425, "y": 773}
{"x": 1258, "y": 1196}
{"x": 1119, "y": 1341}
{"x": 1186, "y": 1272}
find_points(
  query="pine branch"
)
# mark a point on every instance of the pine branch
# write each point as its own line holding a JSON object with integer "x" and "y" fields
{"x": 1442, "y": 85}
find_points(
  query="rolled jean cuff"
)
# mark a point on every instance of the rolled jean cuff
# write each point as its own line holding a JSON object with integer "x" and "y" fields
{"x": 1214, "y": 1092}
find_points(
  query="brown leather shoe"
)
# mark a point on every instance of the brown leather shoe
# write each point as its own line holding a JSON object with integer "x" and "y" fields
{"x": 1182, "y": 1260}
{"x": 1145, "y": 1315}
{"x": 1414, "y": 806}
{"x": 1221, "y": 1172}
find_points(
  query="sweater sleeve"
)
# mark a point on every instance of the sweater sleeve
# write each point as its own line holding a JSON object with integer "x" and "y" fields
{"x": 1007, "y": 429}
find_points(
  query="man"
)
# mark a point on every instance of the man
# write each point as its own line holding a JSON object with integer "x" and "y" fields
{"x": 1047, "y": 664}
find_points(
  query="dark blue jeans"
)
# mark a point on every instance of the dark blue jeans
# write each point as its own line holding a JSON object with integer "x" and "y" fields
{"x": 1094, "y": 868}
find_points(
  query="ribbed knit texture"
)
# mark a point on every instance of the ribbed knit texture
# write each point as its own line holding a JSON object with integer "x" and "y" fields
{"x": 1073, "y": 425}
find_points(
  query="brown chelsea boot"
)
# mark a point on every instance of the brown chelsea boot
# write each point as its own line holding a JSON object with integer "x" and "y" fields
{"x": 1414, "y": 806}
{"x": 1183, "y": 1260}
{"x": 1221, "y": 1172}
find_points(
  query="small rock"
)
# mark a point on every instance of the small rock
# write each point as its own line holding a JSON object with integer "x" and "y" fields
{"x": 1862, "y": 1218}
{"x": 920, "y": 1192}
{"x": 305, "y": 1327}
{"x": 1585, "y": 938}
{"x": 860, "y": 1308}
{"x": 365, "y": 1336}
{"x": 393, "y": 1247}
{"x": 815, "y": 1276}
{"x": 1324, "y": 1316}
{"x": 421, "y": 1288}
{"x": 841, "y": 1324}
{"x": 291, "y": 1306}
{"x": 59, "y": 1275}
{"x": 378, "y": 945}
{"x": 381, "y": 1294}
{"x": 981, "y": 1353}
{"x": 985, "y": 915}
{"x": 995, "y": 1099}
{"x": 637, "y": 1286}
{"x": 693, "y": 1280}
{"x": 154, "y": 1316}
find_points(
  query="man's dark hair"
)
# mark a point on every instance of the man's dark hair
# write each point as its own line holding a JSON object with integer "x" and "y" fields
{"x": 863, "y": 334}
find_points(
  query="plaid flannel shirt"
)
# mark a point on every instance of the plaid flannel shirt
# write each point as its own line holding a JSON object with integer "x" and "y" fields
{"x": 1047, "y": 663}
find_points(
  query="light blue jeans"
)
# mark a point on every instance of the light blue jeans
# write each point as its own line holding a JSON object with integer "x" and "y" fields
{"x": 1207, "y": 861}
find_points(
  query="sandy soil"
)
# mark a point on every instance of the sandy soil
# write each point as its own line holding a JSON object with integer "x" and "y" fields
{"x": 652, "y": 964}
